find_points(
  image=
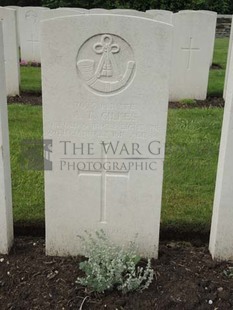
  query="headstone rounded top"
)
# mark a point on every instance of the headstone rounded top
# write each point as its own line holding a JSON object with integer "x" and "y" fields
{"x": 198, "y": 12}
{"x": 34, "y": 7}
{"x": 130, "y": 13}
{"x": 98, "y": 10}
{"x": 72, "y": 9}
{"x": 209, "y": 12}
{"x": 161, "y": 15}
{"x": 161, "y": 11}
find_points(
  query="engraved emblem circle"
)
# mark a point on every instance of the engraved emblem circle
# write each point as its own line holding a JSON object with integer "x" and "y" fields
{"x": 106, "y": 64}
{"x": 31, "y": 16}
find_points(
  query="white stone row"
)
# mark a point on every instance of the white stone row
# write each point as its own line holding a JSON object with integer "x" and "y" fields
{"x": 11, "y": 51}
{"x": 6, "y": 220}
{"x": 192, "y": 47}
{"x": 225, "y": 90}
{"x": 104, "y": 80}
{"x": 221, "y": 237}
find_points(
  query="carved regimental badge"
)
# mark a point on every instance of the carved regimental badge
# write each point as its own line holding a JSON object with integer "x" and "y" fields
{"x": 31, "y": 16}
{"x": 106, "y": 63}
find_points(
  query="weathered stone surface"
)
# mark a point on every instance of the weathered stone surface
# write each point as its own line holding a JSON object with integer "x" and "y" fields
{"x": 221, "y": 237}
{"x": 192, "y": 53}
{"x": 6, "y": 220}
{"x": 227, "y": 80}
{"x": 11, "y": 51}
{"x": 162, "y": 15}
{"x": 105, "y": 80}
{"x": 29, "y": 28}
{"x": 17, "y": 8}
{"x": 47, "y": 14}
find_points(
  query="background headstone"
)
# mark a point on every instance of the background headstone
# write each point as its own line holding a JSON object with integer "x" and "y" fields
{"x": 70, "y": 8}
{"x": 11, "y": 51}
{"x": 98, "y": 10}
{"x": 221, "y": 236}
{"x": 6, "y": 218}
{"x": 161, "y": 15}
{"x": 17, "y": 8}
{"x": 227, "y": 80}
{"x": 130, "y": 13}
{"x": 29, "y": 28}
{"x": 114, "y": 88}
{"x": 120, "y": 12}
{"x": 214, "y": 14}
{"x": 192, "y": 52}
{"x": 213, "y": 33}
{"x": 47, "y": 14}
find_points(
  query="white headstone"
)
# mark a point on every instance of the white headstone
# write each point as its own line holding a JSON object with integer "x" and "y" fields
{"x": 29, "y": 28}
{"x": 47, "y": 14}
{"x": 17, "y": 8}
{"x": 213, "y": 33}
{"x": 161, "y": 15}
{"x": 98, "y": 10}
{"x": 221, "y": 236}
{"x": 101, "y": 83}
{"x": 6, "y": 218}
{"x": 130, "y": 13}
{"x": 215, "y": 14}
{"x": 209, "y": 12}
{"x": 11, "y": 51}
{"x": 121, "y": 12}
{"x": 192, "y": 51}
{"x": 228, "y": 64}
{"x": 70, "y": 8}
{"x": 202, "y": 11}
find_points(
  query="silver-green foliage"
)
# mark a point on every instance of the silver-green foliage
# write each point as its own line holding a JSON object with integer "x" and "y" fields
{"x": 229, "y": 272}
{"x": 109, "y": 266}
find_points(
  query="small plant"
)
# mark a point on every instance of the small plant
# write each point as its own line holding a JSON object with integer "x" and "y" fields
{"x": 229, "y": 272}
{"x": 25, "y": 63}
{"x": 109, "y": 266}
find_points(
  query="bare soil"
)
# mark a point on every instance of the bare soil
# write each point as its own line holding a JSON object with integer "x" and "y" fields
{"x": 26, "y": 98}
{"x": 185, "y": 278}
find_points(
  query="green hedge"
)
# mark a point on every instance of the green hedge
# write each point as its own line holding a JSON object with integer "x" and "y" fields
{"x": 220, "y": 6}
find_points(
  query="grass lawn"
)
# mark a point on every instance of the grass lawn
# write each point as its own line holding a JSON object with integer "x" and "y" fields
{"x": 190, "y": 165}
{"x": 217, "y": 77}
{"x": 31, "y": 76}
{"x": 30, "y": 79}
{"x": 25, "y": 123}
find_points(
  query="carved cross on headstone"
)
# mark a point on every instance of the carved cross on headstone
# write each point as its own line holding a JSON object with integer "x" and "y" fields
{"x": 190, "y": 50}
{"x": 104, "y": 174}
{"x": 34, "y": 43}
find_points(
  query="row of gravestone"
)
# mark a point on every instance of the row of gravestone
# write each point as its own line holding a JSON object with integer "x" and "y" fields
{"x": 105, "y": 82}
{"x": 192, "y": 53}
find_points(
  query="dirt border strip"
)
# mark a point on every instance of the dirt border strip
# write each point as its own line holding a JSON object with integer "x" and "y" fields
{"x": 189, "y": 233}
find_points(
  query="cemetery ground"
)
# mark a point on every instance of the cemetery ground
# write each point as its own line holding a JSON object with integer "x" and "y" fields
{"x": 185, "y": 275}
{"x": 192, "y": 140}
{"x": 185, "y": 278}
